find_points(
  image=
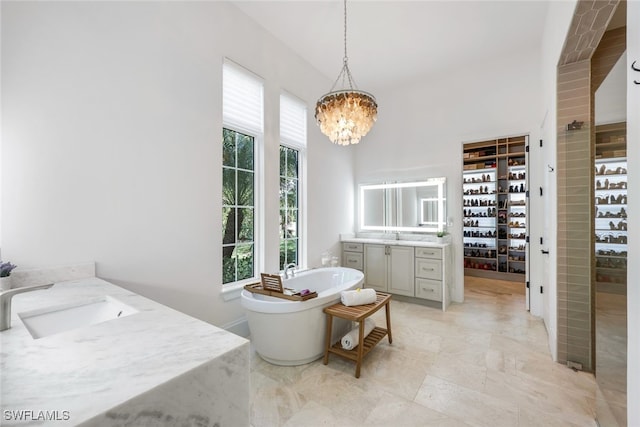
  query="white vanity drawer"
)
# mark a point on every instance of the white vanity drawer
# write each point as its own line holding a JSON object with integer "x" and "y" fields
{"x": 353, "y": 247}
{"x": 352, "y": 260}
{"x": 435, "y": 253}
{"x": 429, "y": 268}
{"x": 429, "y": 289}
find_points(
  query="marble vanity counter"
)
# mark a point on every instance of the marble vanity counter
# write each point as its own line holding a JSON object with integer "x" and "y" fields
{"x": 154, "y": 367}
{"x": 399, "y": 242}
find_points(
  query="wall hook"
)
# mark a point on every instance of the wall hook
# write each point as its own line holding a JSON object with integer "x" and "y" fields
{"x": 634, "y": 68}
{"x": 551, "y": 169}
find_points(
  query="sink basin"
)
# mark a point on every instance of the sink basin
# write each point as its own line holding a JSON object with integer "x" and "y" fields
{"x": 53, "y": 320}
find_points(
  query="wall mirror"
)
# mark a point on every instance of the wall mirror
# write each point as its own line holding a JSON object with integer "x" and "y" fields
{"x": 404, "y": 206}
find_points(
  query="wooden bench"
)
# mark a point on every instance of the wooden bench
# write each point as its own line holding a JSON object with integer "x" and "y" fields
{"x": 357, "y": 313}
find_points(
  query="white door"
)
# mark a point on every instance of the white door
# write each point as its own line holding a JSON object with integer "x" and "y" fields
{"x": 547, "y": 172}
{"x": 401, "y": 278}
{"x": 375, "y": 265}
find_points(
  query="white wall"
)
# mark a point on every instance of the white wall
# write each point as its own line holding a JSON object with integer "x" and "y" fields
{"x": 558, "y": 20}
{"x": 422, "y": 125}
{"x": 611, "y": 96}
{"x": 633, "y": 162}
{"x": 111, "y": 144}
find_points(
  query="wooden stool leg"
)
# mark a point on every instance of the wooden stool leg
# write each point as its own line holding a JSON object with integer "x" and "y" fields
{"x": 328, "y": 339}
{"x": 388, "y": 313}
{"x": 360, "y": 348}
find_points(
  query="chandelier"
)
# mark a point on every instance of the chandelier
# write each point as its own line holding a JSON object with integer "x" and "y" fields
{"x": 348, "y": 114}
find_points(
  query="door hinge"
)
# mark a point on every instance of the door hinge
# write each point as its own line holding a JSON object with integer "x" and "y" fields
{"x": 541, "y": 290}
{"x": 526, "y": 148}
{"x": 541, "y": 240}
{"x": 527, "y": 239}
{"x": 527, "y": 284}
{"x": 541, "y": 191}
{"x": 540, "y": 143}
{"x": 527, "y": 193}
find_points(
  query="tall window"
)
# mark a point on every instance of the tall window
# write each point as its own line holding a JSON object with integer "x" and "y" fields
{"x": 289, "y": 195}
{"x": 241, "y": 136}
{"x": 293, "y": 137}
{"x": 238, "y": 206}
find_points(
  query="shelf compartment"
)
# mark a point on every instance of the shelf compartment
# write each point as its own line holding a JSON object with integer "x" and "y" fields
{"x": 503, "y": 153}
{"x": 610, "y": 200}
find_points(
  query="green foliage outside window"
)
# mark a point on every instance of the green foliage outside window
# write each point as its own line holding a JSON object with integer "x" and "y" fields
{"x": 238, "y": 206}
{"x": 289, "y": 213}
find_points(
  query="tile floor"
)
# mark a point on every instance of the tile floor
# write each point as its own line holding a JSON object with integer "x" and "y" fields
{"x": 482, "y": 363}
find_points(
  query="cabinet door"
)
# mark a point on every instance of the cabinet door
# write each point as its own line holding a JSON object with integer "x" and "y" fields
{"x": 401, "y": 279}
{"x": 433, "y": 253}
{"x": 352, "y": 260}
{"x": 429, "y": 268}
{"x": 352, "y": 247}
{"x": 375, "y": 265}
{"x": 429, "y": 289}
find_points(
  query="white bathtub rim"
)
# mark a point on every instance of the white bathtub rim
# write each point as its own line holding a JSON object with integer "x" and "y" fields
{"x": 273, "y": 305}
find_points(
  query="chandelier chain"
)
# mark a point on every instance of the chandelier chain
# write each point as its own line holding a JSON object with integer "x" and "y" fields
{"x": 345, "y": 73}
{"x": 346, "y": 115}
{"x": 346, "y": 58}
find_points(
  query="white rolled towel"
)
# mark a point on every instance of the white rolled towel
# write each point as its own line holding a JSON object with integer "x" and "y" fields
{"x": 358, "y": 297}
{"x": 351, "y": 340}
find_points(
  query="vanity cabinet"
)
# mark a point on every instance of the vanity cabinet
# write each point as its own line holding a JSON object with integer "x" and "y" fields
{"x": 352, "y": 255}
{"x": 389, "y": 268}
{"x": 412, "y": 269}
{"x": 428, "y": 265}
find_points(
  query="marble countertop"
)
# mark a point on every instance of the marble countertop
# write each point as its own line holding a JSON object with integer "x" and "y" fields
{"x": 398, "y": 242}
{"x": 85, "y": 372}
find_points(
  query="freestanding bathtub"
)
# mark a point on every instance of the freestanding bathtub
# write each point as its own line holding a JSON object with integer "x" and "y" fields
{"x": 289, "y": 333}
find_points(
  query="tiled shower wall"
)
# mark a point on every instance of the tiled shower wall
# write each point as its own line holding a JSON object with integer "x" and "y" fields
{"x": 575, "y": 189}
{"x": 575, "y": 160}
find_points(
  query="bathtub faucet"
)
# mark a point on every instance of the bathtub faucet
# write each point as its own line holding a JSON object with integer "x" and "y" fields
{"x": 289, "y": 267}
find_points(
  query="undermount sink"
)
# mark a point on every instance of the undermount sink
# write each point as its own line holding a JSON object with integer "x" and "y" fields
{"x": 53, "y": 320}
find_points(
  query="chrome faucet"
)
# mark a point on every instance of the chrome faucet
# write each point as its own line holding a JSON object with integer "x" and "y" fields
{"x": 5, "y": 303}
{"x": 289, "y": 267}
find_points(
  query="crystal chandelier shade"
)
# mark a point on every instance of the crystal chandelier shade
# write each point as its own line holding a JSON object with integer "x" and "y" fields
{"x": 346, "y": 115}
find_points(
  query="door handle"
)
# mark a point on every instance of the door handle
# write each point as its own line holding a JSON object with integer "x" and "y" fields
{"x": 544, "y": 252}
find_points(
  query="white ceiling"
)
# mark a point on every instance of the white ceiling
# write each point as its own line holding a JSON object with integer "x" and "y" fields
{"x": 392, "y": 41}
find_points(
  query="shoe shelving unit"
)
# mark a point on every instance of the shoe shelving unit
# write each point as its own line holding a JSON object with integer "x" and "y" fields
{"x": 495, "y": 208}
{"x": 610, "y": 199}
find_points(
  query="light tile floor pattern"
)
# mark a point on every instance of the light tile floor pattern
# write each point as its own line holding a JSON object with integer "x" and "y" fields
{"x": 485, "y": 362}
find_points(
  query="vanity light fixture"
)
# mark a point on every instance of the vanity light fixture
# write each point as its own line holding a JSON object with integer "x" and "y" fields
{"x": 346, "y": 115}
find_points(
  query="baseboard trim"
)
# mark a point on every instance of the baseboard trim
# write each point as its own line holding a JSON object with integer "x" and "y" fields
{"x": 239, "y": 327}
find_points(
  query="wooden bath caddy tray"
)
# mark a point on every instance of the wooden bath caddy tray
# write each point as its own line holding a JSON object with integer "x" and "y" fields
{"x": 271, "y": 285}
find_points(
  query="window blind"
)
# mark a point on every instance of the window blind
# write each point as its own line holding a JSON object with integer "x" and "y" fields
{"x": 242, "y": 99}
{"x": 293, "y": 121}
